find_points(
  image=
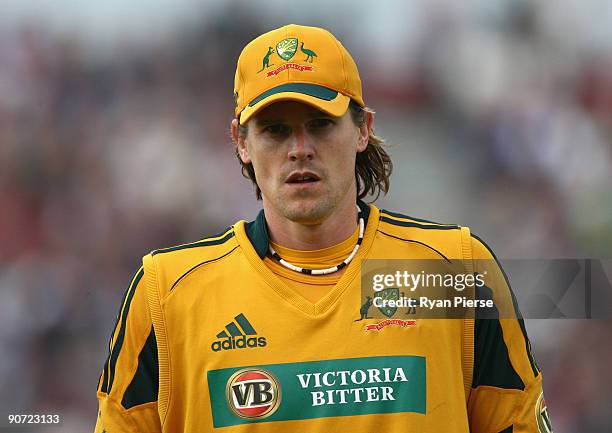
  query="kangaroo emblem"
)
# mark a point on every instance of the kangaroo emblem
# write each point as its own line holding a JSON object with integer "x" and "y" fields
{"x": 363, "y": 311}
{"x": 309, "y": 53}
{"x": 266, "y": 60}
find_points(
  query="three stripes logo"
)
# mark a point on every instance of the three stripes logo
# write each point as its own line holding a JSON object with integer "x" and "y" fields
{"x": 238, "y": 334}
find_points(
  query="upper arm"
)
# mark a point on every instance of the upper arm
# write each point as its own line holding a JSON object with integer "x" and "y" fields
{"x": 507, "y": 383}
{"x": 128, "y": 385}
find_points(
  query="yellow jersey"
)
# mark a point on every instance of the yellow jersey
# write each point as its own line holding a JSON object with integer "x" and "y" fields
{"x": 209, "y": 338}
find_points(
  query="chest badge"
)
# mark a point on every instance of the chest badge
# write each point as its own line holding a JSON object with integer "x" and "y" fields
{"x": 253, "y": 393}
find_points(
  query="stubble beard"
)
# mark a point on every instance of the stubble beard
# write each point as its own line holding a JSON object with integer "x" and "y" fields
{"x": 309, "y": 210}
{"x": 312, "y": 208}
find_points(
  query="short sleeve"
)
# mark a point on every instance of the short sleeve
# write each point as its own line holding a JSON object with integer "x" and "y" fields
{"x": 506, "y": 395}
{"x": 128, "y": 385}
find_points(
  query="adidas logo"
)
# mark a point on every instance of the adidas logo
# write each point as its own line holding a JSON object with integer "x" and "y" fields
{"x": 242, "y": 335}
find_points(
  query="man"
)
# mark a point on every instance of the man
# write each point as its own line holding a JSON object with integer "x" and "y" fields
{"x": 266, "y": 327}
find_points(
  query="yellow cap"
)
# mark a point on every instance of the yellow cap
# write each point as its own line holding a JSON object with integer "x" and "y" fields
{"x": 298, "y": 63}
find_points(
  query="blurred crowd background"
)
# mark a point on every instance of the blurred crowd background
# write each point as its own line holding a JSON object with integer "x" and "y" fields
{"x": 114, "y": 142}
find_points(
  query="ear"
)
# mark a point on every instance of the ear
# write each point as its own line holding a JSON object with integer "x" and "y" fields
{"x": 364, "y": 132}
{"x": 240, "y": 143}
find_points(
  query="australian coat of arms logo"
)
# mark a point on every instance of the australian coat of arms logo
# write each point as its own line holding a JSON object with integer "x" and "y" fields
{"x": 286, "y": 50}
{"x": 389, "y": 294}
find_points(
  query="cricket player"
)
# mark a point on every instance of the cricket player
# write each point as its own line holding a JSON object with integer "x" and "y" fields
{"x": 266, "y": 327}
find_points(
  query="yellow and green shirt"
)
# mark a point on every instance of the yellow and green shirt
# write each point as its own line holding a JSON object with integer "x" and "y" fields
{"x": 213, "y": 336}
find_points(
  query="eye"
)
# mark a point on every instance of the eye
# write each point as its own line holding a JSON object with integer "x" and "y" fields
{"x": 319, "y": 123}
{"x": 276, "y": 129}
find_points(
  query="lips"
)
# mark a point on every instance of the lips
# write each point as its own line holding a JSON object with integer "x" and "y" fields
{"x": 302, "y": 177}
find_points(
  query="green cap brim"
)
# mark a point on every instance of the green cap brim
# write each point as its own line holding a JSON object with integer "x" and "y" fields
{"x": 327, "y": 100}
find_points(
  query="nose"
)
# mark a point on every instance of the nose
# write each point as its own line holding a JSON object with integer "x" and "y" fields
{"x": 301, "y": 147}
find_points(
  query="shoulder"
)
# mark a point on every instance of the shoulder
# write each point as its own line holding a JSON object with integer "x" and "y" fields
{"x": 410, "y": 235}
{"x": 394, "y": 224}
{"x": 395, "y": 219}
{"x": 207, "y": 245}
{"x": 171, "y": 264}
{"x": 405, "y": 224}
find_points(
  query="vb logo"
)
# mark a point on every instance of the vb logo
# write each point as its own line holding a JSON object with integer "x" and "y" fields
{"x": 253, "y": 393}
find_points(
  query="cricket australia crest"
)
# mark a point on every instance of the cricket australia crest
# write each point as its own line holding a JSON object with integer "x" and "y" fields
{"x": 286, "y": 48}
{"x": 388, "y": 294}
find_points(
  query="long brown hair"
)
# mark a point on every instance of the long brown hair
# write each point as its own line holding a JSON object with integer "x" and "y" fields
{"x": 373, "y": 166}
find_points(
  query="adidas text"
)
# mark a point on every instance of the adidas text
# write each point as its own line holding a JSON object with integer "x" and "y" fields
{"x": 241, "y": 342}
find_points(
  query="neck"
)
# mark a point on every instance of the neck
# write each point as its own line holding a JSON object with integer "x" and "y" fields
{"x": 332, "y": 230}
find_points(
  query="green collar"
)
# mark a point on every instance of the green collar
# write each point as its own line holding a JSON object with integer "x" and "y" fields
{"x": 257, "y": 230}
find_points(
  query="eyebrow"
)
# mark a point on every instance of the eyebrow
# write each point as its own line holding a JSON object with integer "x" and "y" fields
{"x": 265, "y": 122}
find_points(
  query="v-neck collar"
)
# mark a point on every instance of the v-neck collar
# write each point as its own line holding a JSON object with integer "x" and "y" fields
{"x": 254, "y": 239}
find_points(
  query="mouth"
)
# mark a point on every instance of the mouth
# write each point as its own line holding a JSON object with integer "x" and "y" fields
{"x": 302, "y": 177}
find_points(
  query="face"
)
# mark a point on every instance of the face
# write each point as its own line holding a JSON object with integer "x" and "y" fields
{"x": 304, "y": 159}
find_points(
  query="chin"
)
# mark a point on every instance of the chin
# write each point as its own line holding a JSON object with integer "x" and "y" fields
{"x": 306, "y": 211}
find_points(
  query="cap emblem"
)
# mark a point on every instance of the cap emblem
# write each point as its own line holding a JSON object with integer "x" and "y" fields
{"x": 287, "y": 48}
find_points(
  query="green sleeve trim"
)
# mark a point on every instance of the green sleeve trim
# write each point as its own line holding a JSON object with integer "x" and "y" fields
{"x": 492, "y": 366}
{"x": 145, "y": 384}
{"x": 519, "y": 317}
{"x": 109, "y": 368}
